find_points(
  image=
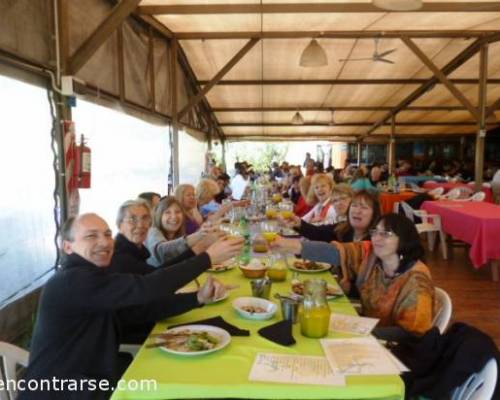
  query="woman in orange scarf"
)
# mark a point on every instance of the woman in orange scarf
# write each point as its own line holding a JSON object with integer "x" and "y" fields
{"x": 393, "y": 284}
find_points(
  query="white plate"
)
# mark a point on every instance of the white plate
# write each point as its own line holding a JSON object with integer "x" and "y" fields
{"x": 225, "y": 266}
{"x": 337, "y": 292}
{"x": 269, "y": 306}
{"x": 224, "y": 297}
{"x": 223, "y": 337}
{"x": 324, "y": 267}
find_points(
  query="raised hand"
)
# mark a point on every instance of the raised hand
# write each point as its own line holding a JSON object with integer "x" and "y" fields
{"x": 224, "y": 249}
{"x": 211, "y": 290}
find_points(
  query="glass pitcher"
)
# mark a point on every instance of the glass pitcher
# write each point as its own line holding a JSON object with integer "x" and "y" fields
{"x": 315, "y": 313}
{"x": 278, "y": 267}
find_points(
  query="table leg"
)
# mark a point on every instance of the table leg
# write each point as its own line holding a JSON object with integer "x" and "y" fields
{"x": 495, "y": 265}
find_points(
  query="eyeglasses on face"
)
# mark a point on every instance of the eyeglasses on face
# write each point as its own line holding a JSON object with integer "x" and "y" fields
{"x": 146, "y": 219}
{"x": 339, "y": 199}
{"x": 382, "y": 234}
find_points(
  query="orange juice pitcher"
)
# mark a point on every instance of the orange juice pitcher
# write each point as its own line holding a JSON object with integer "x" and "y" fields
{"x": 315, "y": 313}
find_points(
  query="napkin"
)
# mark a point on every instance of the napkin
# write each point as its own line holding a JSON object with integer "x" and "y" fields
{"x": 280, "y": 333}
{"x": 219, "y": 322}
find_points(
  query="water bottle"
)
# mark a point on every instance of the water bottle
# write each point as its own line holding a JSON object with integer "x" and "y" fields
{"x": 245, "y": 255}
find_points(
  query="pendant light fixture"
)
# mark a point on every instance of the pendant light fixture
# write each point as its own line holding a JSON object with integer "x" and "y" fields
{"x": 313, "y": 55}
{"x": 332, "y": 118}
{"x": 398, "y": 5}
{"x": 297, "y": 119}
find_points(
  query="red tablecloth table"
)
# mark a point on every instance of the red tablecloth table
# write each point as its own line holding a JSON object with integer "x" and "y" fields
{"x": 449, "y": 185}
{"x": 387, "y": 200}
{"x": 476, "y": 223}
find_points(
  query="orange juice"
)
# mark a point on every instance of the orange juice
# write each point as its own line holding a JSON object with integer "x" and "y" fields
{"x": 271, "y": 214}
{"x": 314, "y": 322}
{"x": 270, "y": 236}
{"x": 277, "y": 198}
{"x": 286, "y": 214}
{"x": 276, "y": 274}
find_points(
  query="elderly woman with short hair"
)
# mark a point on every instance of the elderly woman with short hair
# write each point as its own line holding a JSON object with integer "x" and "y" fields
{"x": 320, "y": 193}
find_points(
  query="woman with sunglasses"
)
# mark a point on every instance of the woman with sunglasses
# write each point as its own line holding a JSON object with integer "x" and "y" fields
{"x": 394, "y": 285}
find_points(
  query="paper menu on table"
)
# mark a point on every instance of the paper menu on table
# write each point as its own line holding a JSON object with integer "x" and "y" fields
{"x": 359, "y": 356}
{"x": 352, "y": 324}
{"x": 284, "y": 368}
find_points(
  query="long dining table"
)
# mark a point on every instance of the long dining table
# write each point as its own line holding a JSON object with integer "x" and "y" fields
{"x": 225, "y": 373}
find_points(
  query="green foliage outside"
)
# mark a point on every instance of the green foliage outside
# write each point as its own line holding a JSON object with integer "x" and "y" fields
{"x": 260, "y": 155}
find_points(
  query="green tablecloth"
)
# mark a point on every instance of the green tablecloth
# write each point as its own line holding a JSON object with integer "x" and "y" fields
{"x": 224, "y": 374}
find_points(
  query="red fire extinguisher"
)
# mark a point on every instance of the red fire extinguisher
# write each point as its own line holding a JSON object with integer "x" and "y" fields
{"x": 82, "y": 170}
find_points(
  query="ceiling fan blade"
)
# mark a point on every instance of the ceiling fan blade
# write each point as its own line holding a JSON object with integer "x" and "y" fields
{"x": 384, "y": 60}
{"x": 387, "y": 52}
{"x": 356, "y": 59}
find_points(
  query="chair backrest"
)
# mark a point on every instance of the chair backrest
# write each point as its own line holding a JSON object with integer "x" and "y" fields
{"x": 444, "y": 310}
{"x": 479, "y": 196}
{"x": 461, "y": 192}
{"x": 11, "y": 357}
{"x": 480, "y": 385}
{"x": 407, "y": 210}
{"x": 436, "y": 191}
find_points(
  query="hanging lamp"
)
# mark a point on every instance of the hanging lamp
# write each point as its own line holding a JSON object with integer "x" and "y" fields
{"x": 398, "y": 5}
{"x": 332, "y": 118}
{"x": 297, "y": 119}
{"x": 313, "y": 55}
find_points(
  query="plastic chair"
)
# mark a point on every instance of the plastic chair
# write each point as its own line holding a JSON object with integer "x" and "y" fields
{"x": 479, "y": 196}
{"x": 436, "y": 192}
{"x": 480, "y": 385}
{"x": 458, "y": 193}
{"x": 444, "y": 307}
{"x": 11, "y": 356}
{"x": 486, "y": 185}
{"x": 431, "y": 224}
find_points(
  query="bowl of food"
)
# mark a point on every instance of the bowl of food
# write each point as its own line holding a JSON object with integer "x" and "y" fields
{"x": 254, "y": 308}
{"x": 254, "y": 269}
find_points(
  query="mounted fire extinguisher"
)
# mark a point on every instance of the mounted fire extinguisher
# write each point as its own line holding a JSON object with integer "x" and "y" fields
{"x": 82, "y": 170}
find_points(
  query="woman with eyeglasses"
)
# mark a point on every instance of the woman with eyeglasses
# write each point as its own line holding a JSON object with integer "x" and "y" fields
{"x": 130, "y": 255}
{"x": 359, "y": 212}
{"x": 394, "y": 285}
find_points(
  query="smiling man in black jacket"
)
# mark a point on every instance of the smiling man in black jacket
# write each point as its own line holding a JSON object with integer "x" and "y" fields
{"x": 76, "y": 338}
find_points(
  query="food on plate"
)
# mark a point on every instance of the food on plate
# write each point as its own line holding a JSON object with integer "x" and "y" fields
{"x": 331, "y": 291}
{"x": 189, "y": 341}
{"x": 308, "y": 265}
{"x": 229, "y": 264}
{"x": 254, "y": 309}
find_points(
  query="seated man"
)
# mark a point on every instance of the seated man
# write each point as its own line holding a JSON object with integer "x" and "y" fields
{"x": 76, "y": 336}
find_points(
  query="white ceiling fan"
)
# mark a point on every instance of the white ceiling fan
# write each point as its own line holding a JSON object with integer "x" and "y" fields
{"x": 376, "y": 56}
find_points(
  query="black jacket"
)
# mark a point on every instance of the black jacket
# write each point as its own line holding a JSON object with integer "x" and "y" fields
{"x": 440, "y": 363}
{"x": 81, "y": 310}
{"x": 129, "y": 258}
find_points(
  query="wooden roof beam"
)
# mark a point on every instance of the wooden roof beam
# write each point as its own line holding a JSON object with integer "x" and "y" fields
{"x": 391, "y": 81}
{"x": 87, "y": 49}
{"x": 301, "y": 8}
{"x": 354, "y": 34}
{"x": 230, "y": 64}
{"x": 360, "y": 123}
{"x": 441, "y": 76}
{"x": 466, "y": 54}
{"x": 343, "y": 108}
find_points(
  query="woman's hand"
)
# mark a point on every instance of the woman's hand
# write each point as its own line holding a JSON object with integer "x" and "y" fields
{"x": 224, "y": 249}
{"x": 288, "y": 245}
{"x": 292, "y": 222}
